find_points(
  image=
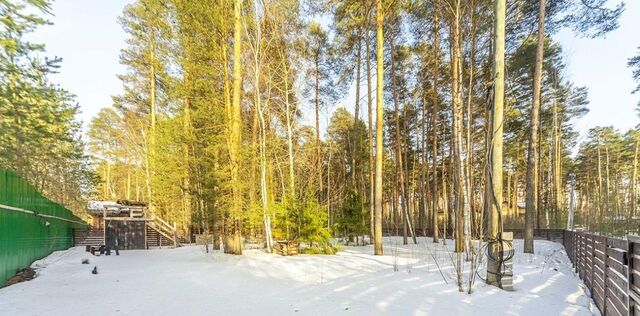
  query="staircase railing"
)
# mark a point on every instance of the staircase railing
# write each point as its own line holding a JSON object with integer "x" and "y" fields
{"x": 163, "y": 228}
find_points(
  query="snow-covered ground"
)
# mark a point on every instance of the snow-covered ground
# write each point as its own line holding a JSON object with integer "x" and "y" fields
{"x": 187, "y": 281}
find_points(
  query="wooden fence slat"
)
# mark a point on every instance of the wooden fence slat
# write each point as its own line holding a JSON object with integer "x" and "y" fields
{"x": 617, "y": 266}
{"x": 618, "y": 254}
{"x": 634, "y": 278}
{"x": 617, "y": 295}
{"x": 618, "y": 243}
{"x": 610, "y": 309}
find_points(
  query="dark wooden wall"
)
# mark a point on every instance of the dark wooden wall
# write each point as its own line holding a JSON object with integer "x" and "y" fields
{"x": 126, "y": 234}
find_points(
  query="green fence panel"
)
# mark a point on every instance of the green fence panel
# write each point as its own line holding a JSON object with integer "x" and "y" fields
{"x": 25, "y": 236}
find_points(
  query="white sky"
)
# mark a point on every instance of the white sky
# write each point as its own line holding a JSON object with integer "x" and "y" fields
{"x": 87, "y": 36}
{"x": 601, "y": 65}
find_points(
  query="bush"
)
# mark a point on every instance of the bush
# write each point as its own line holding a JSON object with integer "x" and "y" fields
{"x": 353, "y": 220}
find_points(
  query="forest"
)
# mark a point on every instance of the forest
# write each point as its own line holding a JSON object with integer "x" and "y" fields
{"x": 447, "y": 118}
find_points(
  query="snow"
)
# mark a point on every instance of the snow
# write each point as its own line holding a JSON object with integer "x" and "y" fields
{"x": 188, "y": 281}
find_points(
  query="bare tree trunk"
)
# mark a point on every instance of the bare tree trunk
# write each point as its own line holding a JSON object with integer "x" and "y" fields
{"x": 445, "y": 196}
{"x": 151, "y": 145}
{"x": 128, "y": 194}
{"x": 533, "y": 168}
{"x": 461, "y": 205}
{"x": 600, "y": 199}
{"x": 370, "y": 112}
{"x": 557, "y": 156}
{"x": 379, "y": 125}
{"x": 257, "y": 47}
{"x": 434, "y": 127}
{"x": 292, "y": 179}
{"x": 634, "y": 181}
{"x": 456, "y": 133}
{"x": 548, "y": 190}
{"x": 469, "y": 127}
{"x": 220, "y": 218}
{"x": 233, "y": 244}
{"x": 356, "y": 114}
{"x": 494, "y": 214}
{"x": 317, "y": 108}
{"x": 402, "y": 201}
{"x": 186, "y": 146}
{"x": 607, "y": 191}
{"x": 187, "y": 166}
{"x": 516, "y": 179}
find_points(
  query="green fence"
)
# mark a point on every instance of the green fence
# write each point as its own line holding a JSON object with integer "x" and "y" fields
{"x": 31, "y": 226}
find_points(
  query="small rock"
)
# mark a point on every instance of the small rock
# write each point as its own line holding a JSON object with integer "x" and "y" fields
{"x": 95, "y": 270}
{"x": 85, "y": 261}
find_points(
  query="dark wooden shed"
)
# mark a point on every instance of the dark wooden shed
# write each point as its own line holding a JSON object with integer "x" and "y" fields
{"x": 127, "y": 225}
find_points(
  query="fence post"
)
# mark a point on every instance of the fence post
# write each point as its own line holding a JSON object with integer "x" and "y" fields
{"x": 576, "y": 251}
{"x": 634, "y": 300}
{"x": 604, "y": 277}
{"x": 573, "y": 250}
{"x": 593, "y": 264}
{"x": 579, "y": 255}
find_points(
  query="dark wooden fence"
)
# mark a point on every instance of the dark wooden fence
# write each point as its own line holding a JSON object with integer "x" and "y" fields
{"x": 610, "y": 268}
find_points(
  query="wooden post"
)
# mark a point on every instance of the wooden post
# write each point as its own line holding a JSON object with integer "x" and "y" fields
{"x": 146, "y": 242}
{"x": 104, "y": 226}
{"x": 634, "y": 298}
{"x": 604, "y": 277}
{"x": 593, "y": 263}
{"x": 175, "y": 235}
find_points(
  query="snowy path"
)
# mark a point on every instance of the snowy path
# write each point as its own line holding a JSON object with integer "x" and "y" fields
{"x": 186, "y": 281}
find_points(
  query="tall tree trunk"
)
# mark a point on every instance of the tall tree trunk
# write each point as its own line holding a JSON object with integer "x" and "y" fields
{"x": 634, "y": 180}
{"x": 220, "y": 217}
{"x": 557, "y": 159}
{"x": 379, "y": 124}
{"x": 187, "y": 166}
{"x": 292, "y": 179}
{"x": 186, "y": 142}
{"x": 434, "y": 127}
{"x": 128, "y": 192}
{"x": 494, "y": 214}
{"x": 461, "y": 203}
{"x": 539, "y": 185}
{"x": 424, "y": 170}
{"x": 402, "y": 201}
{"x": 233, "y": 243}
{"x": 600, "y": 199}
{"x": 445, "y": 197}
{"x": 264, "y": 194}
{"x": 151, "y": 144}
{"x": 516, "y": 179}
{"x": 317, "y": 108}
{"x": 370, "y": 112}
{"x": 532, "y": 163}
{"x": 469, "y": 127}
{"x": 456, "y": 133}
{"x": 607, "y": 191}
{"x": 356, "y": 113}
